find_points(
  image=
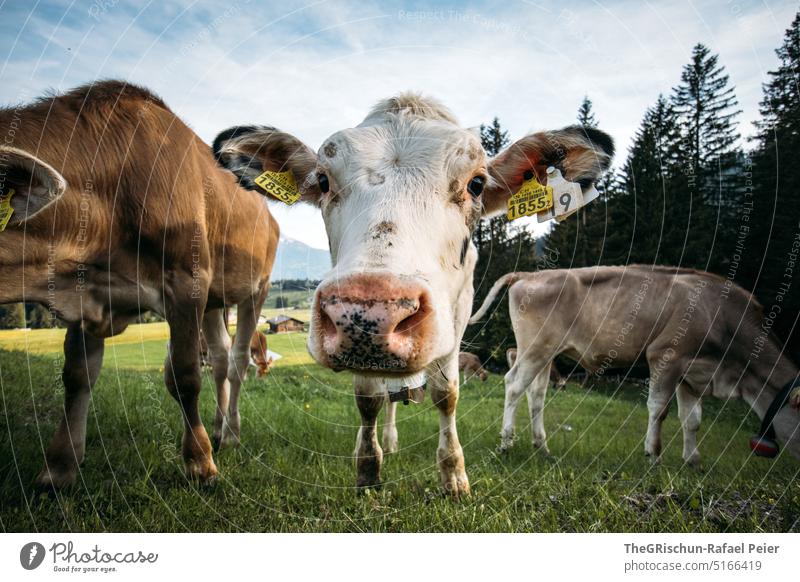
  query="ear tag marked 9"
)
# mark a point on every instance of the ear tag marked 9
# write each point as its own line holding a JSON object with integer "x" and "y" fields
{"x": 531, "y": 198}
{"x": 567, "y": 196}
{"x": 5, "y": 209}
{"x": 280, "y": 185}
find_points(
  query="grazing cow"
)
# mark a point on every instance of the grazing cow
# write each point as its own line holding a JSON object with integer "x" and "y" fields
{"x": 700, "y": 334}
{"x": 470, "y": 365}
{"x": 558, "y": 380}
{"x": 400, "y": 196}
{"x": 258, "y": 353}
{"x": 119, "y": 208}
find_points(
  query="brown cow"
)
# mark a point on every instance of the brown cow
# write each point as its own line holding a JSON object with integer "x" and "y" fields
{"x": 119, "y": 208}
{"x": 258, "y": 352}
{"x": 700, "y": 334}
{"x": 470, "y": 365}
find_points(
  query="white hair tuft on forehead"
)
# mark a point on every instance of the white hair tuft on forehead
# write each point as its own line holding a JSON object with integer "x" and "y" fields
{"x": 415, "y": 105}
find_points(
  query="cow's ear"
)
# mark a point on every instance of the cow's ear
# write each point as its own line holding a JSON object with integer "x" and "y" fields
{"x": 581, "y": 153}
{"x": 27, "y": 184}
{"x": 248, "y": 151}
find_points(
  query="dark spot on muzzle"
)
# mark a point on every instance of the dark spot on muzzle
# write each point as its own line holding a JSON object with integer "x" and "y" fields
{"x": 364, "y": 351}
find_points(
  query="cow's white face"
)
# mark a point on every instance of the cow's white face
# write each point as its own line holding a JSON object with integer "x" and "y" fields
{"x": 400, "y": 195}
{"x": 403, "y": 195}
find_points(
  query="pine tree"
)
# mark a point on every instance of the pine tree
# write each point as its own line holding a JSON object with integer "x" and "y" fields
{"x": 585, "y": 113}
{"x": 706, "y": 105}
{"x": 772, "y": 221}
{"x": 707, "y": 195}
{"x": 638, "y": 211}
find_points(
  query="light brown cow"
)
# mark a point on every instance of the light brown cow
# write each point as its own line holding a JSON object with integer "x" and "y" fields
{"x": 119, "y": 208}
{"x": 700, "y": 335}
{"x": 470, "y": 366}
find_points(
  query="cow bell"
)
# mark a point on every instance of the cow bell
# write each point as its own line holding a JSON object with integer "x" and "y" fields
{"x": 764, "y": 447}
{"x": 408, "y": 389}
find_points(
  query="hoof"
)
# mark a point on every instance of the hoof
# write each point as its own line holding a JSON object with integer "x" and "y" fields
{"x": 541, "y": 447}
{"x": 202, "y": 472}
{"x": 456, "y": 485}
{"x": 216, "y": 442}
{"x": 506, "y": 443}
{"x": 694, "y": 463}
{"x": 655, "y": 460}
{"x": 390, "y": 447}
{"x": 229, "y": 439}
{"x": 364, "y": 484}
{"x": 52, "y": 479}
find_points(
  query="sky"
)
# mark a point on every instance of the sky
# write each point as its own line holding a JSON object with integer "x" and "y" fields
{"x": 314, "y": 67}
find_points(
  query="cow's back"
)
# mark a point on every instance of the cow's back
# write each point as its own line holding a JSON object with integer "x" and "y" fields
{"x": 610, "y": 316}
{"x": 144, "y": 197}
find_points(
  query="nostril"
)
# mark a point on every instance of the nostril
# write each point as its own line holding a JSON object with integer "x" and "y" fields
{"x": 326, "y": 323}
{"x": 419, "y": 311}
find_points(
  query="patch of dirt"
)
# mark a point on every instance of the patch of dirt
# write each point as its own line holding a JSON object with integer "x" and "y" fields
{"x": 721, "y": 512}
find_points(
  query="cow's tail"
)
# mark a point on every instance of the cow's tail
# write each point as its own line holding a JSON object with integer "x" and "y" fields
{"x": 507, "y": 279}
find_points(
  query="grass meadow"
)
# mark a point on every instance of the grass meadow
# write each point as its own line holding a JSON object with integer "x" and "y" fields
{"x": 294, "y": 471}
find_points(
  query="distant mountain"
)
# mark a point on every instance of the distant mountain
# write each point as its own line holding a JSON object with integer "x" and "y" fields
{"x": 297, "y": 260}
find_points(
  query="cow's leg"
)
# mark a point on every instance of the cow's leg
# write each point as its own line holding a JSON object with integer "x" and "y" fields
{"x": 690, "y": 412}
{"x": 219, "y": 347}
{"x": 449, "y": 454}
{"x": 184, "y": 315}
{"x": 370, "y": 396}
{"x": 537, "y": 390}
{"x": 662, "y": 387}
{"x": 83, "y": 358}
{"x": 517, "y": 381}
{"x": 246, "y": 320}
{"x": 390, "y": 428}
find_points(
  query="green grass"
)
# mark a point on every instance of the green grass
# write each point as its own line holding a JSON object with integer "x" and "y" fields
{"x": 294, "y": 470}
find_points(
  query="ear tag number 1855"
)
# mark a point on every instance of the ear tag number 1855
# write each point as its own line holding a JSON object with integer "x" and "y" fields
{"x": 6, "y": 210}
{"x": 530, "y": 199}
{"x": 280, "y": 185}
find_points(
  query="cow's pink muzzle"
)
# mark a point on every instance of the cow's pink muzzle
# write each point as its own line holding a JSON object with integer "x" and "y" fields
{"x": 373, "y": 322}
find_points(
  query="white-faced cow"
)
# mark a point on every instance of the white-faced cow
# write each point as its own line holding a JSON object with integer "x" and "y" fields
{"x": 700, "y": 335}
{"x": 119, "y": 208}
{"x": 400, "y": 195}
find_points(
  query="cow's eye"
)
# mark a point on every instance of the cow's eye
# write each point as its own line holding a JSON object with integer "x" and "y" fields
{"x": 475, "y": 186}
{"x": 324, "y": 185}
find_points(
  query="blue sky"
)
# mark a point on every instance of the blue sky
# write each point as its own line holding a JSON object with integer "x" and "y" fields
{"x": 312, "y": 68}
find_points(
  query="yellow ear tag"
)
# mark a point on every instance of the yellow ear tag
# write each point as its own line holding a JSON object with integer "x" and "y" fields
{"x": 532, "y": 197}
{"x": 280, "y": 185}
{"x": 5, "y": 209}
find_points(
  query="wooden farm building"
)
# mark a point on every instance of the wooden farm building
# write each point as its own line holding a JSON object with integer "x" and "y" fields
{"x": 285, "y": 324}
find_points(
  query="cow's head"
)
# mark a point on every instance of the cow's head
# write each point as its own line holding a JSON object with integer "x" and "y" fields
{"x": 27, "y": 184}
{"x": 400, "y": 196}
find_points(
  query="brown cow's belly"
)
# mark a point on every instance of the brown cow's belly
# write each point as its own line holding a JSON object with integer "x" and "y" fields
{"x": 106, "y": 302}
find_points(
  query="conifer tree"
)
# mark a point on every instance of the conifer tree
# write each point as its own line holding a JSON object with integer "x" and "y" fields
{"x": 772, "y": 222}
{"x": 708, "y": 193}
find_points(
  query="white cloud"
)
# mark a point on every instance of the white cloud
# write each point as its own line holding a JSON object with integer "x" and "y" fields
{"x": 313, "y": 69}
